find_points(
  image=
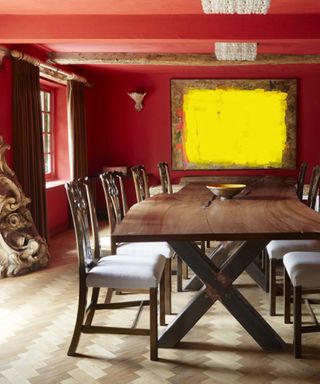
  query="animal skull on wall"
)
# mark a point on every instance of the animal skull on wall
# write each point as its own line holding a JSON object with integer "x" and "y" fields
{"x": 137, "y": 98}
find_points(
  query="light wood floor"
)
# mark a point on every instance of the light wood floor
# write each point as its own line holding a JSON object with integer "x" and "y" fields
{"x": 37, "y": 313}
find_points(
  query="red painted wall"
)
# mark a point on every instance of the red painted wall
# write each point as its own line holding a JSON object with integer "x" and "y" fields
{"x": 122, "y": 136}
{"x": 119, "y": 135}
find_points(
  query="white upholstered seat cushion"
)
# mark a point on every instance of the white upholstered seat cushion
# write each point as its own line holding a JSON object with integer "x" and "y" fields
{"x": 278, "y": 248}
{"x": 127, "y": 272}
{"x": 145, "y": 248}
{"x": 303, "y": 268}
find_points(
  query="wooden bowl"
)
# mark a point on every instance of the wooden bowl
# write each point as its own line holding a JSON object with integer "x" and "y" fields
{"x": 226, "y": 191}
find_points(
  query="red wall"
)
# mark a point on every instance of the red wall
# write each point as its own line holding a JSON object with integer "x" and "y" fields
{"x": 119, "y": 135}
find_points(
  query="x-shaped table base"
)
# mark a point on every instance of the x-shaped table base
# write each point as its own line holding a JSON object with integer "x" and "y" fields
{"x": 218, "y": 286}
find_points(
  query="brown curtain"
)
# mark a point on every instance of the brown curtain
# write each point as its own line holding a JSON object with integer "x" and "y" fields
{"x": 27, "y": 140}
{"x": 77, "y": 130}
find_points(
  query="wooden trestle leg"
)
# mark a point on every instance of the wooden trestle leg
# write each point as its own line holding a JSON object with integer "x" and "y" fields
{"x": 218, "y": 286}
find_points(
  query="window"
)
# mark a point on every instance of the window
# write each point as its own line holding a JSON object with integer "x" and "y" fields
{"x": 53, "y": 98}
{"x": 47, "y": 131}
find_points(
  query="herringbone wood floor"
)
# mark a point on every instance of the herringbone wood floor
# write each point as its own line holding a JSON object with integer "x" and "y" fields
{"x": 37, "y": 318}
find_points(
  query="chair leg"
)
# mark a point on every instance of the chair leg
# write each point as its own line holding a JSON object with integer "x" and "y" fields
{"x": 153, "y": 324}
{"x": 265, "y": 260}
{"x": 167, "y": 277}
{"x": 179, "y": 274}
{"x": 92, "y": 306}
{"x": 297, "y": 293}
{"x": 272, "y": 286}
{"x": 108, "y": 297}
{"x": 286, "y": 297}
{"x": 182, "y": 273}
{"x": 185, "y": 273}
{"x": 162, "y": 301}
{"x": 83, "y": 291}
{"x": 113, "y": 247}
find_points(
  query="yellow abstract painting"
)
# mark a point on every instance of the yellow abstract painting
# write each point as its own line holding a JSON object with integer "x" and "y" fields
{"x": 229, "y": 126}
{"x": 233, "y": 124}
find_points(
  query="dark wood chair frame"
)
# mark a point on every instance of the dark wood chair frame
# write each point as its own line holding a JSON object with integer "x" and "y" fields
{"x": 314, "y": 187}
{"x": 301, "y": 177}
{"x": 165, "y": 177}
{"x": 115, "y": 201}
{"x": 182, "y": 268}
{"x": 274, "y": 288}
{"x": 140, "y": 181}
{"x": 298, "y": 328}
{"x": 116, "y": 213}
{"x": 86, "y": 260}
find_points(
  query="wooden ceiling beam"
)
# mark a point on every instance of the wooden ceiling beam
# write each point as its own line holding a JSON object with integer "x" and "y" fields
{"x": 174, "y": 59}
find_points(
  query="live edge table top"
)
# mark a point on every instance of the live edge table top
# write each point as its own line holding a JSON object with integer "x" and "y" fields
{"x": 267, "y": 209}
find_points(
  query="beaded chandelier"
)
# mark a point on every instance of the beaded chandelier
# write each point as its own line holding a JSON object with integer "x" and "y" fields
{"x": 236, "y": 51}
{"x": 244, "y": 7}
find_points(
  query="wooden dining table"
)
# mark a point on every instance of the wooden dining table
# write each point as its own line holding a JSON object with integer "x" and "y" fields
{"x": 267, "y": 209}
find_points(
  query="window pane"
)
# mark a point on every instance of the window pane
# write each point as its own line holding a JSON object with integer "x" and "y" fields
{"x": 42, "y": 100}
{"x": 47, "y": 122}
{"x": 47, "y": 101}
{"x": 46, "y": 143}
{"x": 42, "y": 121}
{"x": 47, "y": 163}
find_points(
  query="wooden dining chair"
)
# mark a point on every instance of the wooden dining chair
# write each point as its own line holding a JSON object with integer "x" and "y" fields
{"x": 313, "y": 193}
{"x": 302, "y": 271}
{"x": 165, "y": 177}
{"x": 166, "y": 185}
{"x": 276, "y": 249}
{"x": 121, "y": 272}
{"x": 140, "y": 181}
{"x": 116, "y": 214}
{"x": 91, "y": 220}
{"x": 301, "y": 177}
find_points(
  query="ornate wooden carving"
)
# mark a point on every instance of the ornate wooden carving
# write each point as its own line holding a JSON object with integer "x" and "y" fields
{"x": 22, "y": 250}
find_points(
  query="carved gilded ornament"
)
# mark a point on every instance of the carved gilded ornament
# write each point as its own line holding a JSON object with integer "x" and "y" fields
{"x": 22, "y": 250}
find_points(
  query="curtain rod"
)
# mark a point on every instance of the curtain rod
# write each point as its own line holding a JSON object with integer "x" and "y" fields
{"x": 47, "y": 70}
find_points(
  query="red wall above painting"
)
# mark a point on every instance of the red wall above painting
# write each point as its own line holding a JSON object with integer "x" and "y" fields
{"x": 123, "y": 136}
{"x": 119, "y": 135}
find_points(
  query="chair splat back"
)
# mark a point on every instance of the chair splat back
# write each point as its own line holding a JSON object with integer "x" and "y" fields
{"x": 119, "y": 176}
{"x": 111, "y": 193}
{"x": 87, "y": 183}
{"x": 301, "y": 177}
{"x": 140, "y": 182}
{"x": 79, "y": 210}
{"x": 314, "y": 187}
{"x": 165, "y": 177}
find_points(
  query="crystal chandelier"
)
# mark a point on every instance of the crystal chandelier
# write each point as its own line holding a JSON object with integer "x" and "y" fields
{"x": 243, "y": 7}
{"x": 236, "y": 51}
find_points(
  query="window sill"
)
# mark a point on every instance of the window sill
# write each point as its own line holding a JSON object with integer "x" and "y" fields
{"x": 54, "y": 183}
